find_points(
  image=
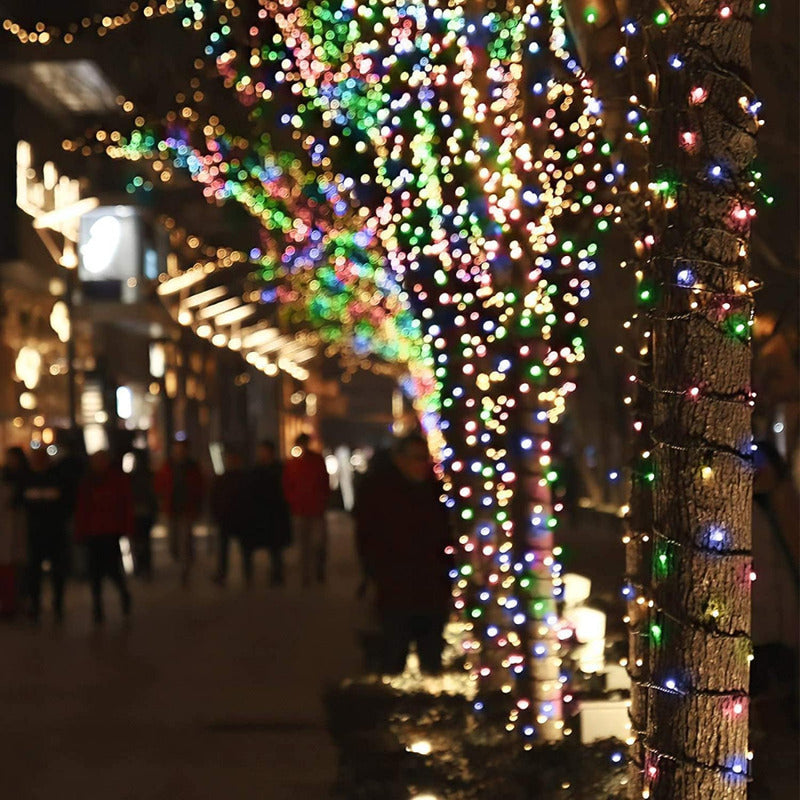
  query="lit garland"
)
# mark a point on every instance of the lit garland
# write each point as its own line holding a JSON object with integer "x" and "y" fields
{"x": 40, "y": 33}
{"x": 349, "y": 317}
{"x": 353, "y": 316}
{"x": 407, "y": 244}
{"x": 692, "y": 288}
{"x": 411, "y": 248}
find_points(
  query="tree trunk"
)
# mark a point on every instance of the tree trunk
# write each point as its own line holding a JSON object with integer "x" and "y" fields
{"x": 695, "y": 743}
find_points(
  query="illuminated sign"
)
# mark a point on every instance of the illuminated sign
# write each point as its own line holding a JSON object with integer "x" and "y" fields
{"x": 55, "y": 203}
{"x": 100, "y": 246}
{"x": 109, "y": 244}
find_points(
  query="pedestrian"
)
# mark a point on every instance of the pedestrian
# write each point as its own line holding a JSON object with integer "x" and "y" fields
{"x": 145, "y": 510}
{"x": 230, "y": 509}
{"x": 307, "y": 489}
{"x": 776, "y": 591}
{"x": 104, "y": 513}
{"x": 381, "y": 458}
{"x": 404, "y": 540}
{"x": 48, "y": 504}
{"x": 13, "y": 531}
{"x": 271, "y": 518}
{"x": 179, "y": 486}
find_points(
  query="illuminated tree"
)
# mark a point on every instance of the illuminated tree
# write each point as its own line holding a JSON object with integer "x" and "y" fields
{"x": 484, "y": 203}
{"x": 690, "y": 614}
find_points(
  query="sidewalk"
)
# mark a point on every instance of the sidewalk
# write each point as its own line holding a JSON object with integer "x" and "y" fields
{"x": 212, "y": 693}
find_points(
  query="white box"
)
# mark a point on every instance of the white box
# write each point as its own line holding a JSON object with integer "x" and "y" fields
{"x": 604, "y": 719}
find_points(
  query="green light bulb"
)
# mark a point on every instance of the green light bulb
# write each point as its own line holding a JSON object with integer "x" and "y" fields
{"x": 656, "y": 633}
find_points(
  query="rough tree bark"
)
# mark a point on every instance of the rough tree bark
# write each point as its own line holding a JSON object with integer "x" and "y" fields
{"x": 703, "y": 140}
{"x": 689, "y": 648}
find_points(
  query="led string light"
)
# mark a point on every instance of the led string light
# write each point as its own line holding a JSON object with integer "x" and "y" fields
{"x": 41, "y": 33}
{"x": 475, "y": 434}
{"x": 372, "y": 304}
{"x": 416, "y": 146}
{"x": 738, "y": 770}
{"x": 636, "y": 539}
{"x": 641, "y": 220}
{"x": 143, "y": 143}
{"x": 391, "y": 341}
{"x": 395, "y": 339}
{"x": 709, "y": 297}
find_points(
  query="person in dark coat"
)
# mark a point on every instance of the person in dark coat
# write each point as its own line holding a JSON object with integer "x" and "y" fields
{"x": 271, "y": 520}
{"x": 145, "y": 511}
{"x": 404, "y": 541}
{"x": 776, "y": 591}
{"x": 230, "y": 509}
{"x": 48, "y": 503}
{"x": 179, "y": 486}
{"x": 103, "y": 514}
{"x": 13, "y": 531}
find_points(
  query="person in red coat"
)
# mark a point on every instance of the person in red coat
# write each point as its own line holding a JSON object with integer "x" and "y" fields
{"x": 403, "y": 537}
{"x": 103, "y": 514}
{"x": 179, "y": 486}
{"x": 307, "y": 488}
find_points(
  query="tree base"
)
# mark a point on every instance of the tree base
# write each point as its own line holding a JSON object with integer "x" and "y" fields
{"x": 394, "y": 745}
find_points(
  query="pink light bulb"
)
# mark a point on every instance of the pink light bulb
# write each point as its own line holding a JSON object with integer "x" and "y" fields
{"x": 688, "y": 140}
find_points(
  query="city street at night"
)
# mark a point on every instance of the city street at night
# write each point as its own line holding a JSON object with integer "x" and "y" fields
{"x": 399, "y": 400}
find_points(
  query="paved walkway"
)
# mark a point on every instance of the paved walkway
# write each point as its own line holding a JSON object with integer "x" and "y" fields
{"x": 212, "y": 693}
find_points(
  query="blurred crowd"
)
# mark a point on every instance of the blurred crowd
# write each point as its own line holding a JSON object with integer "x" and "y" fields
{"x": 76, "y": 517}
{"x": 70, "y": 517}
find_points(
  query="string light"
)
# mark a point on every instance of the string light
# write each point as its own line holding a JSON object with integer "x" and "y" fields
{"x": 100, "y": 24}
{"x": 682, "y": 286}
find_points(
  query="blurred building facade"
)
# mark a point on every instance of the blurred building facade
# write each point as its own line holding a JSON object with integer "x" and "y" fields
{"x": 86, "y": 343}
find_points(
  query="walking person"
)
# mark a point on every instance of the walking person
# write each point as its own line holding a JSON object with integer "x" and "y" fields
{"x": 271, "y": 520}
{"x": 307, "y": 489}
{"x": 179, "y": 486}
{"x": 230, "y": 509}
{"x": 48, "y": 504}
{"x": 403, "y": 538}
{"x": 13, "y": 531}
{"x": 145, "y": 510}
{"x": 104, "y": 513}
{"x": 776, "y": 591}
{"x": 774, "y": 678}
